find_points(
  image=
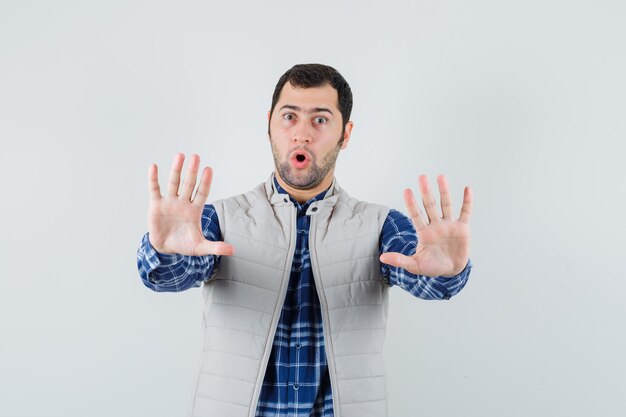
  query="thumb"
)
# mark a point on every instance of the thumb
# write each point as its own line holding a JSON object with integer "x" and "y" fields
{"x": 398, "y": 260}
{"x": 208, "y": 247}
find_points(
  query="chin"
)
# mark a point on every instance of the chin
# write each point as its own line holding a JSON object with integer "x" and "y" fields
{"x": 299, "y": 182}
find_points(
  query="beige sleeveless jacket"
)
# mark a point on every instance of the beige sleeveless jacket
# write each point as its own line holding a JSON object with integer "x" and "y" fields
{"x": 244, "y": 298}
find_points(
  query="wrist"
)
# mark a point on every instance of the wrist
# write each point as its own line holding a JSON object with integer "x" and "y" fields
{"x": 157, "y": 248}
{"x": 455, "y": 272}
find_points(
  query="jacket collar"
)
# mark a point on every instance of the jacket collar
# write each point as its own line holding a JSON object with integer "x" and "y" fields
{"x": 278, "y": 199}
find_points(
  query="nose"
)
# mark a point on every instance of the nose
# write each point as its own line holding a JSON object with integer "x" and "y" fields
{"x": 301, "y": 133}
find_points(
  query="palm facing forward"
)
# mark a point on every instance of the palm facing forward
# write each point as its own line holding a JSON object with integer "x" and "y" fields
{"x": 174, "y": 220}
{"x": 443, "y": 242}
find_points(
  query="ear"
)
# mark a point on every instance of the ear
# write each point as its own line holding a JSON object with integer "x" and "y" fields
{"x": 346, "y": 134}
{"x": 269, "y": 114}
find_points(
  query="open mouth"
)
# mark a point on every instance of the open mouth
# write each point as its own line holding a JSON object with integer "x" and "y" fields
{"x": 300, "y": 159}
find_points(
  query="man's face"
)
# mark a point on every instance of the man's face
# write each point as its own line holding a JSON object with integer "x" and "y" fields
{"x": 305, "y": 131}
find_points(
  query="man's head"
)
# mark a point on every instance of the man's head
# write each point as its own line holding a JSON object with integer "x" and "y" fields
{"x": 309, "y": 123}
{"x": 316, "y": 75}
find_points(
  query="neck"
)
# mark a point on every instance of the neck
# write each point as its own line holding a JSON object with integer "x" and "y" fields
{"x": 302, "y": 196}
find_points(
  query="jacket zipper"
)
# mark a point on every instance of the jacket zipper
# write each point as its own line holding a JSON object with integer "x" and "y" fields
{"x": 328, "y": 343}
{"x": 277, "y": 311}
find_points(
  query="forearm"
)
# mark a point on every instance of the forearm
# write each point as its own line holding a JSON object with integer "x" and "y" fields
{"x": 430, "y": 288}
{"x": 172, "y": 273}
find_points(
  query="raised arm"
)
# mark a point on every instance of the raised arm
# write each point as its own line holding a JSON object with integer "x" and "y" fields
{"x": 182, "y": 245}
{"x": 443, "y": 241}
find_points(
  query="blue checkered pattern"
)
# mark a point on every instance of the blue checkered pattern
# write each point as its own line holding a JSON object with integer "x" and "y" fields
{"x": 296, "y": 382}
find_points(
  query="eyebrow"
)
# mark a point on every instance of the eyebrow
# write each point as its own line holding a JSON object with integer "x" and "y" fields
{"x": 313, "y": 110}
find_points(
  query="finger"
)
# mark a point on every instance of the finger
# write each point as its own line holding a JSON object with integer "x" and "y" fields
{"x": 154, "y": 191}
{"x": 428, "y": 200}
{"x": 466, "y": 208}
{"x": 208, "y": 247}
{"x": 444, "y": 193}
{"x": 414, "y": 212}
{"x": 401, "y": 261}
{"x": 204, "y": 188}
{"x": 177, "y": 166}
{"x": 190, "y": 178}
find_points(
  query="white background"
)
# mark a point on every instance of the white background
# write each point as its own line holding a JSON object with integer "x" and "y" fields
{"x": 522, "y": 100}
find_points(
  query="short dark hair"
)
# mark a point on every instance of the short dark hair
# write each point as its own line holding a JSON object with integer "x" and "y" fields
{"x": 317, "y": 75}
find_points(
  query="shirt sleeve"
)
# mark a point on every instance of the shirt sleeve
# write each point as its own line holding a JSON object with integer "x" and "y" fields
{"x": 398, "y": 235}
{"x": 173, "y": 272}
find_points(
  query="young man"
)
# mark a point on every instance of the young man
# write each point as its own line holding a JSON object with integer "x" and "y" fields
{"x": 296, "y": 273}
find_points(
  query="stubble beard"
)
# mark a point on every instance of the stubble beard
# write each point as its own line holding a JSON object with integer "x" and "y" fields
{"x": 316, "y": 173}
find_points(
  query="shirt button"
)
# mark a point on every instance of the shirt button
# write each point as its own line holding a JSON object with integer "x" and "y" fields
{"x": 298, "y": 345}
{"x": 314, "y": 209}
{"x": 296, "y": 386}
{"x": 299, "y": 307}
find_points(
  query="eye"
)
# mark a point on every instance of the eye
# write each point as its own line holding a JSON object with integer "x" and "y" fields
{"x": 320, "y": 120}
{"x": 289, "y": 116}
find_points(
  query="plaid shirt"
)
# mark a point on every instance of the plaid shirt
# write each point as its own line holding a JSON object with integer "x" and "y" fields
{"x": 296, "y": 381}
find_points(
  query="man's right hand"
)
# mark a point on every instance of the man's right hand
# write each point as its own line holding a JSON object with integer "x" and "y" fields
{"x": 174, "y": 220}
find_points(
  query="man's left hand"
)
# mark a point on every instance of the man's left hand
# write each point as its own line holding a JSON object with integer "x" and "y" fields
{"x": 443, "y": 241}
